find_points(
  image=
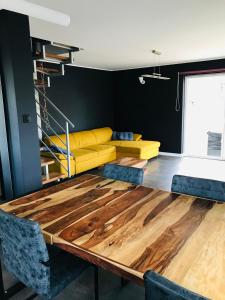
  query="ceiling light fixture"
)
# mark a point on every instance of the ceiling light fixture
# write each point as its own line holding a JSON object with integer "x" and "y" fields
{"x": 35, "y": 11}
{"x": 156, "y": 74}
{"x": 141, "y": 79}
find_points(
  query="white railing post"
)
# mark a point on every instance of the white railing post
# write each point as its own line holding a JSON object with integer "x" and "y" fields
{"x": 68, "y": 148}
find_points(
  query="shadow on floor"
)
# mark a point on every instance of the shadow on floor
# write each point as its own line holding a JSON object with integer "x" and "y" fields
{"x": 83, "y": 288}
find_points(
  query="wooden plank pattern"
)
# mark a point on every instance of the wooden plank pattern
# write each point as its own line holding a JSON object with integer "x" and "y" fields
{"x": 130, "y": 229}
{"x": 130, "y": 162}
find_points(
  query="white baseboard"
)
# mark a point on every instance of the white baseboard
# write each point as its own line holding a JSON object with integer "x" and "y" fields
{"x": 171, "y": 154}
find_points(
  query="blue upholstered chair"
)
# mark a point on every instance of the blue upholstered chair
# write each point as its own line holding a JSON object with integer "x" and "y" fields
{"x": 124, "y": 173}
{"x": 46, "y": 270}
{"x": 158, "y": 287}
{"x": 200, "y": 187}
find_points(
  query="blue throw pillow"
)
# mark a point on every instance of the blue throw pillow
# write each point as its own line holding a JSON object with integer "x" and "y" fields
{"x": 114, "y": 136}
{"x": 123, "y": 136}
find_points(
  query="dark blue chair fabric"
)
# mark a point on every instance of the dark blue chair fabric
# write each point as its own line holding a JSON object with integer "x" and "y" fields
{"x": 25, "y": 255}
{"x": 158, "y": 287}
{"x": 200, "y": 187}
{"x": 125, "y": 136}
{"x": 123, "y": 173}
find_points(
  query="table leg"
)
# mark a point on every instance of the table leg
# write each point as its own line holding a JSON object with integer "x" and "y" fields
{"x": 6, "y": 294}
{"x": 2, "y": 289}
{"x": 96, "y": 283}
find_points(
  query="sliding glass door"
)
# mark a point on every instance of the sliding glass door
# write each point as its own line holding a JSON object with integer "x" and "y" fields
{"x": 204, "y": 116}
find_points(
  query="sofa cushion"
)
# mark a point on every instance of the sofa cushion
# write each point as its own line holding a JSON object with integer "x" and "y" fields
{"x": 55, "y": 149}
{"x": 135, "y": 147}
{"x": 58, "y": 155}
{"x": 84, "y": 154}
{"x": 102, "y": 149}
{"x": 84, "y": 138}
{"x": 61, "y": 142}
{"x": 102, "y": 135}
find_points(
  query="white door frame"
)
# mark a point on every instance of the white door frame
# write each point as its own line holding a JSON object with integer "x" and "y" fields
{"x": 184, "y": 105}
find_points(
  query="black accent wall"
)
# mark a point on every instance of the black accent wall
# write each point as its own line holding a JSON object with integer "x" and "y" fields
{"x": 18, "y": 95}
{"x": 150, "y": 108}
{"x": 90, "y": 98}
{"x": 85, "y": 96}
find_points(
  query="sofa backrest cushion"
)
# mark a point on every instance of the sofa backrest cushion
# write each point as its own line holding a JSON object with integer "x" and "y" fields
{"x": 103, "y": 135}
{"x": 83, "y": 139}
{"x": 61, "y": 142}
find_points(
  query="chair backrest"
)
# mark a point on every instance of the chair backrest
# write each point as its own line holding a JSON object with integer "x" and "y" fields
{"x": 158, "y": 287}
{"x": 200, "y": 187}
{"x": 123, "y": 173}
{"x": 25, "y": 252}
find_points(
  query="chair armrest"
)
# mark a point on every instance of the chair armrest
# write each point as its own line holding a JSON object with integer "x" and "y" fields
{"x": 137, "y": 136}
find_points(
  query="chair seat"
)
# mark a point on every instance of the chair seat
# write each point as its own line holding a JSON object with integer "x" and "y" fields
{"x": 158, "y": 287}
{"x": 64, "y": 268}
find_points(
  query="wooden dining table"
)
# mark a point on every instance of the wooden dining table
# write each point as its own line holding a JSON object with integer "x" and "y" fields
{"x": 128, "y": 229}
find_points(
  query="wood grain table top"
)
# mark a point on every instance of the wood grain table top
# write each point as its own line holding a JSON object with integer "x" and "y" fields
{"x": 130, "y": 229}
{"x": 130, "y": 162}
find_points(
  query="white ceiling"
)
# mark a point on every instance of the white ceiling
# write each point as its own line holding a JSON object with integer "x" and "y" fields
{"x": 119, "y": 34}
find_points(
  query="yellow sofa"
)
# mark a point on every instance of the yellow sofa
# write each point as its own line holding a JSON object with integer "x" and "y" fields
{"x": 94, "y": 148}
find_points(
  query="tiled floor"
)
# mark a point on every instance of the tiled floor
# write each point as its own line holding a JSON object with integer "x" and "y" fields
{"x": 83, "y": 288}
{"x": 160, "y": 172}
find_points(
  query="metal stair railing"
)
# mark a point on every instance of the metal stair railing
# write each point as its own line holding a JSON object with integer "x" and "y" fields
{"x": 65, "y": 129}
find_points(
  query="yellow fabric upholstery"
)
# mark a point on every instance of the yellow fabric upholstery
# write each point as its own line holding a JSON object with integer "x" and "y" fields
{"x": 62, "y": 170}
{"x": 84, "y": 154}
{"x": 143, "y": 155}
{"x": 137, "y": 137}
{"x": 137, "y": 148}
{"x": 102, "y": 135}
{"x": 90, "y": 164}
{"x": 58, "y": 155}
{"x": 94, "y": 148}
{"x": 83, "y": 139}
{"x": 102, "y": 149}
{"x": 55, "y": 140}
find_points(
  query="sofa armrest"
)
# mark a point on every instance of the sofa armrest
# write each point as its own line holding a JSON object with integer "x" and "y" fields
{"x": 137, "y": 136}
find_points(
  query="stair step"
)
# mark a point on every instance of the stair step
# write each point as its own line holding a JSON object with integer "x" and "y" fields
{"x": 51, "y": 72}
{"x": 48, "y": 71}
{"x": 57, "y": 57}
{"x": 53, "y": 176}
{"x": 64, "y": 47}
{"x": 41, "y": 83}
{"x": 47, "y": 51}
{"x": 45, "y": 161}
